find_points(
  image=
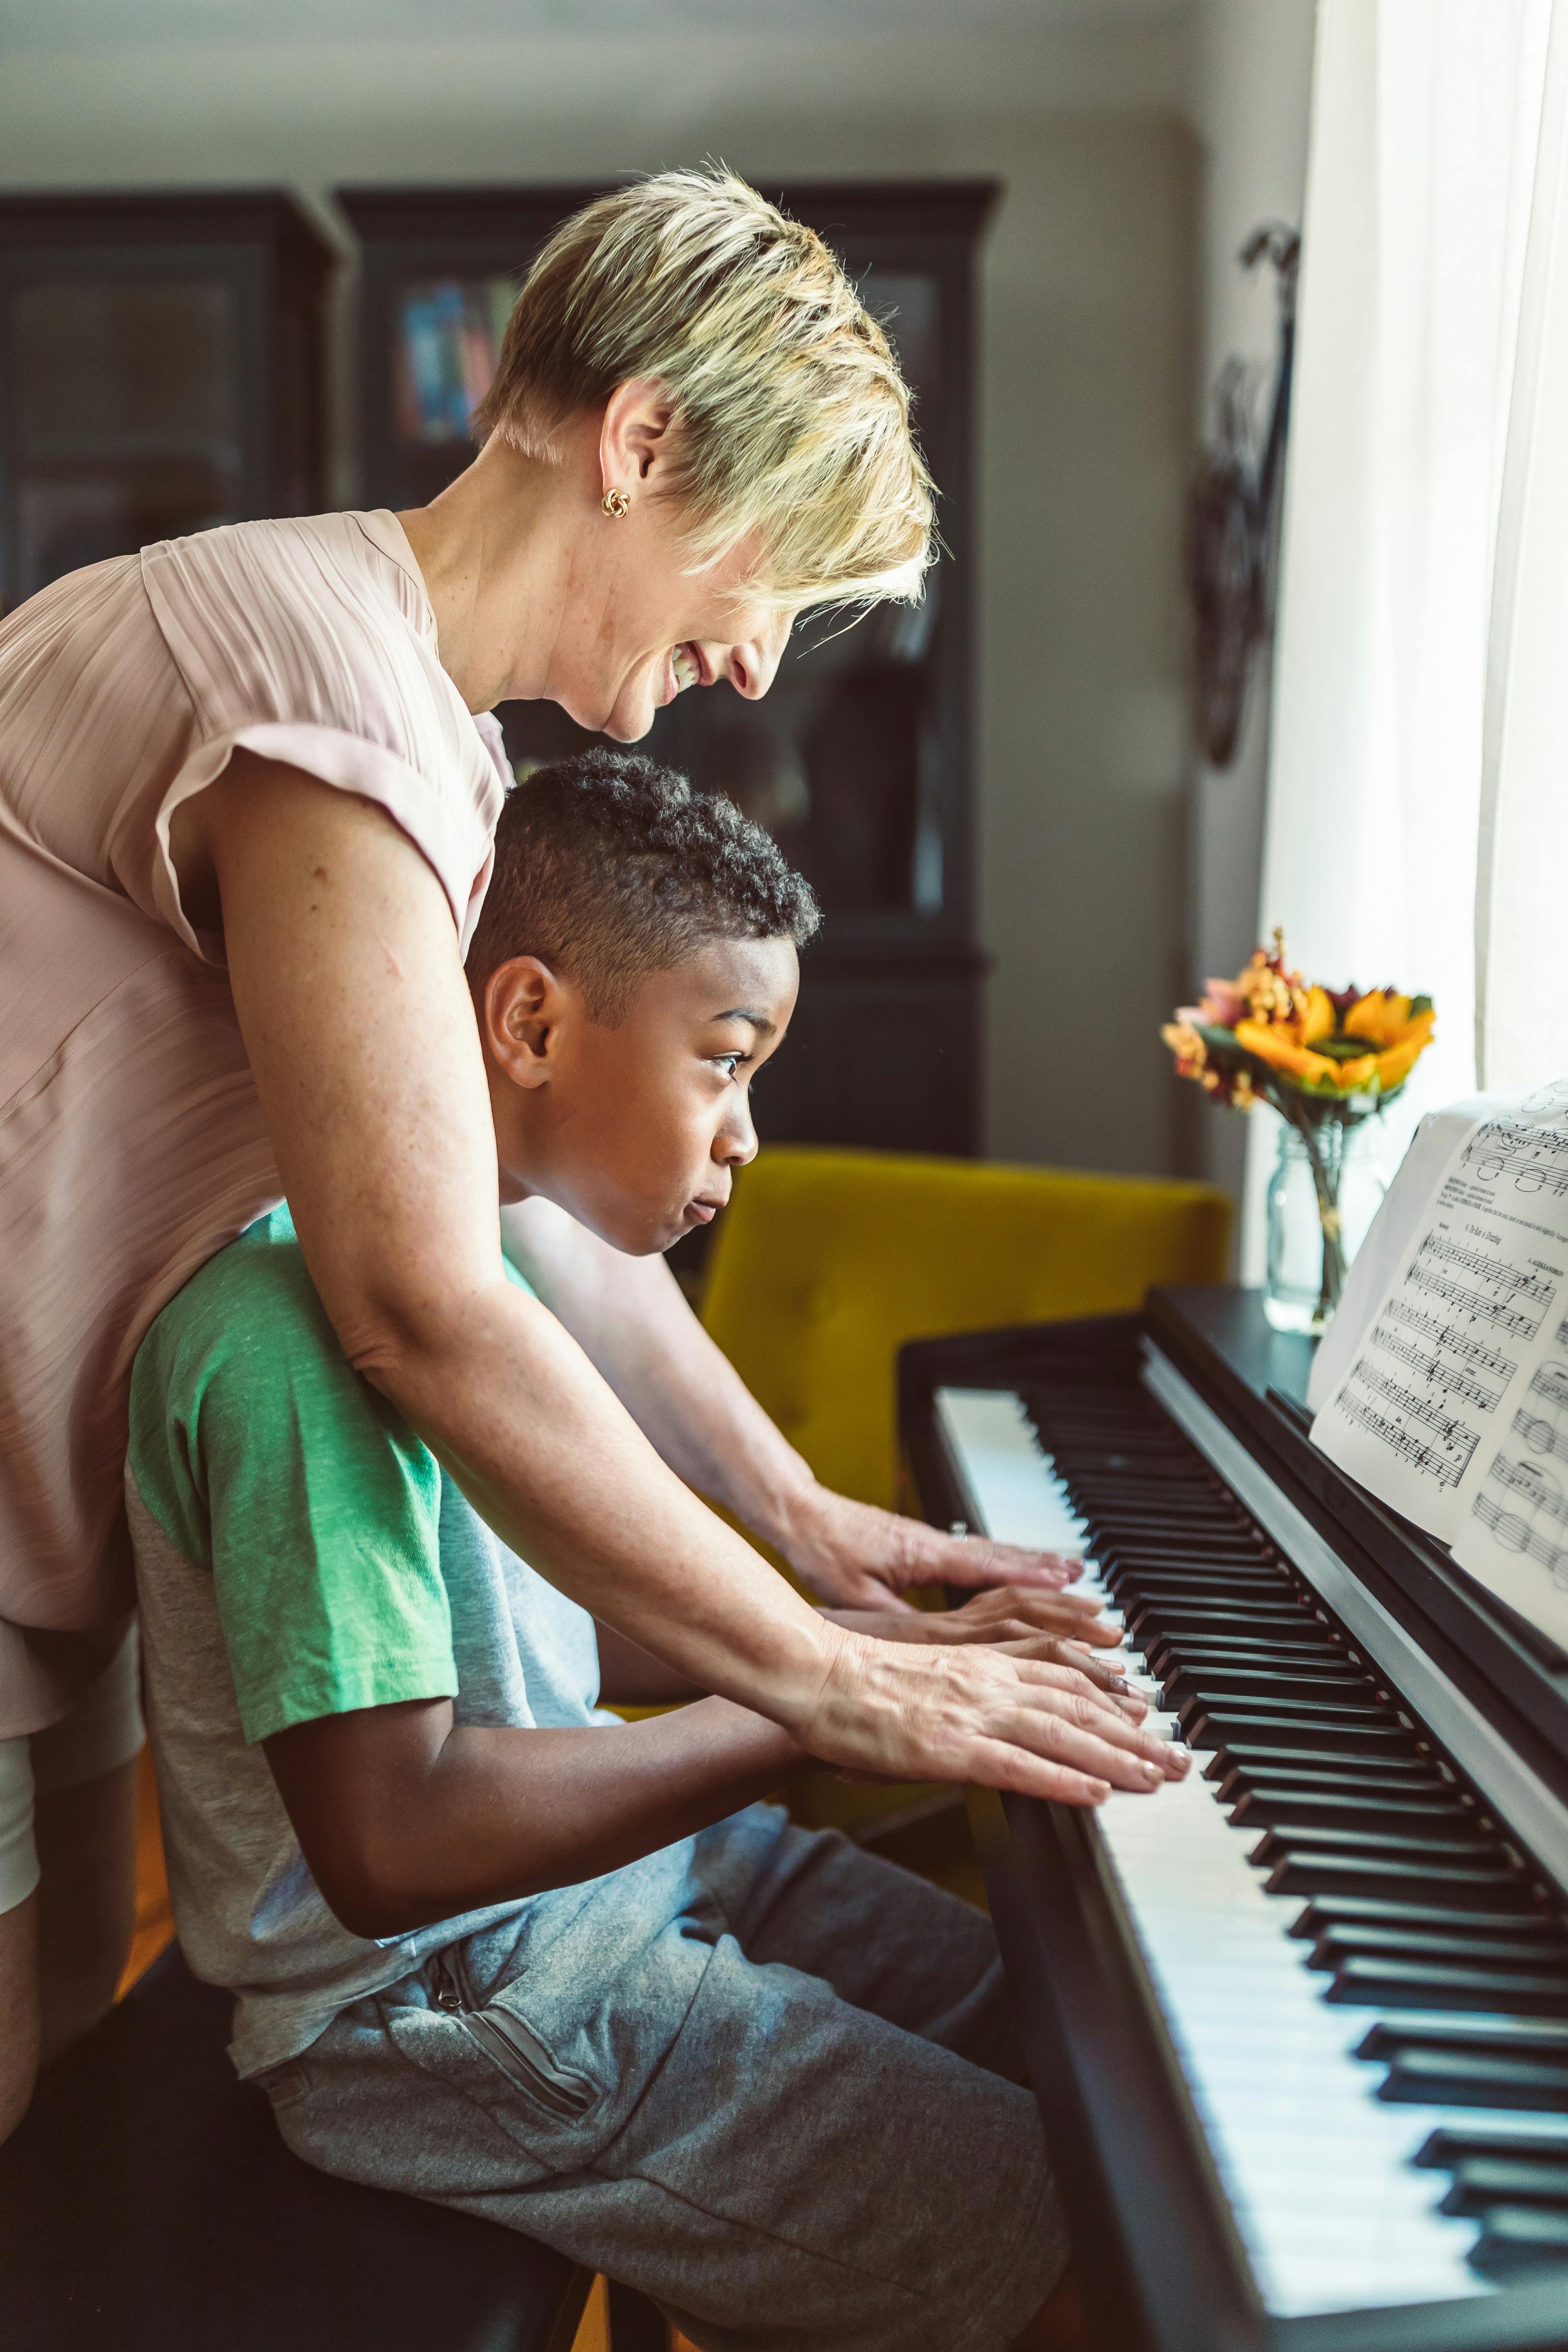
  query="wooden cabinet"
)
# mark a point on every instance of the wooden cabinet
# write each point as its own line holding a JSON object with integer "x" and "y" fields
{"x": 161, "y": 371}
{"x": 859, "y": 759}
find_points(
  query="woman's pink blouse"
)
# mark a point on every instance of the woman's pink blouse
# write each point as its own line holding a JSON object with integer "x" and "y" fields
{"x": 132, "y": 1142}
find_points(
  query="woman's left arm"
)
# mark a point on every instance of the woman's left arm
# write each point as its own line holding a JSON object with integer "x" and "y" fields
{"x": 630, "y": 1318}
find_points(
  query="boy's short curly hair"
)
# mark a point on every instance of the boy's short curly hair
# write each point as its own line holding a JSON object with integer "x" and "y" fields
{"x": 608, "y": 867}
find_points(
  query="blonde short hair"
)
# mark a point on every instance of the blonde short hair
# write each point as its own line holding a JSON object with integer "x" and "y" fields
{"x": 796, "y": 421}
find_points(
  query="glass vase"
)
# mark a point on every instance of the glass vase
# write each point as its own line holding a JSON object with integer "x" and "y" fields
{"x": 1322, "y": 1196}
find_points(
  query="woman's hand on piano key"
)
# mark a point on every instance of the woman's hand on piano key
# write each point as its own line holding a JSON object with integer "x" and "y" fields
{"x": 926, "y": 1711}
{"x": 1056, "y": 1627}
{"x": 858, "y": 1556}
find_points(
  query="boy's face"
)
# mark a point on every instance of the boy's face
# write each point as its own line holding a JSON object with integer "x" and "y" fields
{"x": 634, "y": 1129}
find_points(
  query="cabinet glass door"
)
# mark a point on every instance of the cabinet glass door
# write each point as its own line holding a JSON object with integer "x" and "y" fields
{"x": 124, "y": 419}
{"x": 841, "y": 761}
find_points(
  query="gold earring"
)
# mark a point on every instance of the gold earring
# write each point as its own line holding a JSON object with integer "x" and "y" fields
{"x": 614, "y": 502}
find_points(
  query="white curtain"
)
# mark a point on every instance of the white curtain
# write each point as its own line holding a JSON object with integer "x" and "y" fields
{"x": 1417, "y": 828}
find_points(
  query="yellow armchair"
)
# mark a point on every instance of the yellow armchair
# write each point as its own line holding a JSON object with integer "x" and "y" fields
{"x": 826, "y": 1261}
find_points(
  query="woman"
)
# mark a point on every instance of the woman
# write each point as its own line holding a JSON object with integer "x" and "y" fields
{"x": 242, "y": 794}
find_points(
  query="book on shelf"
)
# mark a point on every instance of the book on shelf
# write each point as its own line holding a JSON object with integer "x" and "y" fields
{"x": 449, "y": 335}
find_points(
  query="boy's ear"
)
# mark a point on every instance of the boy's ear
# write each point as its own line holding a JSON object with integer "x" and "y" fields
{"x": 521, "y": 1014}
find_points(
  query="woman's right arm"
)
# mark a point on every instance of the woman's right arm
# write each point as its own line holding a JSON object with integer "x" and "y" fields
{"x": 356, "y": 1018}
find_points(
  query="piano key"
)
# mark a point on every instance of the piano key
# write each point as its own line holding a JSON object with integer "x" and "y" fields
{"x": 1502, "y": 2143}
{"x": 1485, "y": 1951}
{"x": 1244, "y": 2015}
{"x": 1343, "y": 1776}
{"x": 1517, "y": 2238}
{"x": 1437, "y": 1850}
{"x": 1280, "y": 1802}
{"x": 1281, "y": 1618}
{"x": 1222, "y": 1728}
{"x": 1486, "y": 1885}
{"x": 1310, "y": 1715}
{"x": 1482, "y": 2180}
{"x": 1265, "y": 1685}
{"x": 1184, "y": 1555}
{"x": 1325, "y": 1913}
{"x": 1489, "y": 2033}
{"x": 1202, "y": 1581}
{"x": 1195, "y": 1649}
{"x": 1391, "y": 1982}
{"x": 1414, "y": 1771}
{"x": 1458, "y": 2078}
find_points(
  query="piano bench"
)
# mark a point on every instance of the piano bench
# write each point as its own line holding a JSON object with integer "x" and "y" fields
{"x": 147, "y": 2204}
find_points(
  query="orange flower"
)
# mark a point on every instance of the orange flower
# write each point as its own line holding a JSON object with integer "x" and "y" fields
{"x": 1301, "y": 1032}
{"x": 1277, "y": 1043}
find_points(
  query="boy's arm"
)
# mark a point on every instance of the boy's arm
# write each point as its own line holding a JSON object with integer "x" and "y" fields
{"x": 405, "y": 1817}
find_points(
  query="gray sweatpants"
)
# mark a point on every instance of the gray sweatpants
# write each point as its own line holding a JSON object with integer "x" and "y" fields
{"x": 788, "y": 2109}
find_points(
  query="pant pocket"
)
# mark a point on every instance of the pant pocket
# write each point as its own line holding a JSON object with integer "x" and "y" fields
{"x": 510, "y": 2043}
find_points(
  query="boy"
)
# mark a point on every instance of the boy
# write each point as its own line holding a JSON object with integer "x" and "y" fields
{"x": 487, "y": 1948}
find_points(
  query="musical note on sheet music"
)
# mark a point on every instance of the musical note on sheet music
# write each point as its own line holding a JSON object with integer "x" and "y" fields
{"x": 1537, "y": 1497}
{"x": 1522, "y": 1153}
{"x": 1447, "y": 1354}
{"x": 1447, "y": 1469}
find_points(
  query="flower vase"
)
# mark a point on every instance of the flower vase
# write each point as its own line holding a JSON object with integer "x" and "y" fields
{"x": 1322, "y": 1196}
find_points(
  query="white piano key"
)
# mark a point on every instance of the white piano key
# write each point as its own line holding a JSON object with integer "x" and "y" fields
{"x": 1334, "y": 2214}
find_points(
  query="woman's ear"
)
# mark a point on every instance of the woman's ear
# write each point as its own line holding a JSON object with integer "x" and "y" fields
{"x": 633, "y": 432}
{"x": 520, "y": 1017}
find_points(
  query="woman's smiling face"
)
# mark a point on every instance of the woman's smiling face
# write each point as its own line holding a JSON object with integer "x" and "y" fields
{"x": 646, "y": 627}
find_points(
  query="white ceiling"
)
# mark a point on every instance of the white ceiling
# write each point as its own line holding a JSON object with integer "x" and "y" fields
{"x": 119, "y": 24}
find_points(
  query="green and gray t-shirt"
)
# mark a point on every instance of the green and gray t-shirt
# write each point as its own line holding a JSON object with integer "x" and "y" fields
{"x": 300, "y": 1552}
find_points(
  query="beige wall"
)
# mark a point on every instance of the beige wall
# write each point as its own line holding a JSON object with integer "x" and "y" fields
{"x": 1087, "y": 372}
{"x": 1250, "y": 93}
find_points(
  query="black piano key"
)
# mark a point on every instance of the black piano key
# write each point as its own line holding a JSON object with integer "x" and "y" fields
{"x": 1324, "y": 1914}
{"x": 1500, "y": 2041}
{"x": 1245, "y": 1757}
{"x": 1447, "y": 2147}
{"x": 1204, "y": 1589}
{"x": 1212, "y": 1723}
{"x": 1181, "y": 1545}
{"x": 1516, "y": 1956}
{"x": 1155, "y": 1516}
{"x": 1196, "y": 1606}
{"x": 1191, "y": 1531}
{"x": 1368, "y": 1983}
{"x": 1195, "y": 1577}
{"x": 1467, "y": 2078}
{"x": 1198, "y": 1565}
{"x": 1264, "y": 1691}
{"x": 1229, "y": 1649}
{"x": 1220, "y": 1728}
{"x": 1159, "y": 1520}
{"x": 1276, "y": 1621}
{"x": 1483, "y": 2181}
{"x": 1524, "y": 2039}
{"x": 1267, "y": 1684}
{"x": 1518, "y": 2238}
{"x": 1486, "y": 1886}
{"x": 1279, "y": 1805}
{"x": 1436, "y": 1848}
{"x": 1154, "y": 1489}
{"x": 1349, "y": 1797}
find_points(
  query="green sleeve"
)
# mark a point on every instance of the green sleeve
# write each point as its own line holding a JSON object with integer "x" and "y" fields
{"x": 265, "y": 1457}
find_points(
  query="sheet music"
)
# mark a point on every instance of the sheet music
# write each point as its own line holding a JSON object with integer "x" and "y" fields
{"x": 1451, "y": 1399}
